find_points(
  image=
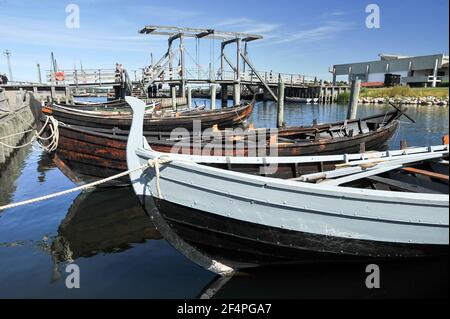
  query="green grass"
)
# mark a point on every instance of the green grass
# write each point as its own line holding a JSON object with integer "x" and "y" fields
{"x": 405, "y": 91}
{"x": 343, "y": 97}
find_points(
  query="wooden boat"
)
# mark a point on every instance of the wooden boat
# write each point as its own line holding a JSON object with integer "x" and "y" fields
{"x": 153, "y": 108}
{"x": 87, "y": 154}
{"x": 117, "y": 106}
{"x": 226, "y": 117}
{"x": 121, "y": 105}
{"x": 113, "y": 103}
{"x": 225, "y": 220}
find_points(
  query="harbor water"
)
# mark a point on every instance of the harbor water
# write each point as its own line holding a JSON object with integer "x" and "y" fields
{"x": 121, "y": 255}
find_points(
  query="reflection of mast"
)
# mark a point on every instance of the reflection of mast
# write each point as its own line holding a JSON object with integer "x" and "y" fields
{"x": 101, "y": 221}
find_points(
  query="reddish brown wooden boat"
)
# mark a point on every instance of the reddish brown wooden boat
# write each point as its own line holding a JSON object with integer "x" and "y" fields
{"x": 87, "y": 154}
{"x": 116, "y": 105}
{"x": 224, "y": 118}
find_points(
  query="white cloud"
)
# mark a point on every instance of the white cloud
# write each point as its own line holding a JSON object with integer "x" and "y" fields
{"x": 41, "y": 33}
{"x": 332, "y": 14}
{"x": 271, "y": 32}
{"x": 165, "y": 12}
{"x": 233, "y": 22}
{"x": 246, "y": 25}
{"x": 327, "y": 30}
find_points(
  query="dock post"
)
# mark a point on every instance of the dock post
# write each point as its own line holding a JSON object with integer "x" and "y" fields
{"x": 280, "y": 103}
{"x": 39, "y": 76}
{"x": 189, "y": 96}
{"x": 173, "y": 94}
{"x": 212, "y": 92}
{"x": 334, "y": 76}
{"x": 224, "y": 94}
{"x": 353, "y": 103}
{"x": 403, "y": 145}
{"x": 182, "y": 66}
{"x": 237, "y": 93}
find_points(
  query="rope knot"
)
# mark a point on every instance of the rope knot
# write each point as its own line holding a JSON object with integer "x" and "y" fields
{"x": 155, "y": 163}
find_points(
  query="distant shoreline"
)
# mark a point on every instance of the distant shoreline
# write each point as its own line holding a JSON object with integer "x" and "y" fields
{"x": 402, "y": 95}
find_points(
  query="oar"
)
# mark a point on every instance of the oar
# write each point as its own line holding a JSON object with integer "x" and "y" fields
{"x": 402, "y": 112}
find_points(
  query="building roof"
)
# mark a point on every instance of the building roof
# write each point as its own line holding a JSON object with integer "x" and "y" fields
{"x": 391, "y": 57}
{"x": 391, "y": 63}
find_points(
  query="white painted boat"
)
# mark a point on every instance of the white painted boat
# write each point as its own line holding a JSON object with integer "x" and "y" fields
{"x": 225, "y": 220}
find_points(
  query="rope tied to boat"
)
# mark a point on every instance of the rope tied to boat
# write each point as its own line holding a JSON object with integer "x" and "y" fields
{"x": 156, "y": 163}
{"x": 75, "y": 189}
{"x": 152, "y": 163}
{"x": 51, "y": 141}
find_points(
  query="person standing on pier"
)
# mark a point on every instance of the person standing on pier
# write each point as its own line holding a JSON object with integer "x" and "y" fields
{"x": 3, "y": 79}
{"x": 117, "y": 73}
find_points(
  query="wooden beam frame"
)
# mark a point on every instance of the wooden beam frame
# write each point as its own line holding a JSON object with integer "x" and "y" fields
{"x": 246, "y": 60}
{"x": 198, "y": 33}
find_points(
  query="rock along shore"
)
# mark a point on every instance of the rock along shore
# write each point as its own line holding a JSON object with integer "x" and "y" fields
{"x": 429, "y": 100}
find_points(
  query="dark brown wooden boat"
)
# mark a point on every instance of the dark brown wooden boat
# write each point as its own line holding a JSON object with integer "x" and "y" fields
{"x": 113, "y": 103}
{"x": 224, "y": 118}
{"x": 85, "y": 154}
{"x": 116, "y": 105}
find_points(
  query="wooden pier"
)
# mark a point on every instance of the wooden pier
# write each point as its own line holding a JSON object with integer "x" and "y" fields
{"x": 41, "y": 92}
{"x": 16, "y": 117}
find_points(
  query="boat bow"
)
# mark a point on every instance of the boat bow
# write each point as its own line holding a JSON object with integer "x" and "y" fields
{"x": 140, "y": 181}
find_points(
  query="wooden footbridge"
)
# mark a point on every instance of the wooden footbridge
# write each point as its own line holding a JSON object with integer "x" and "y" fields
{"x": 236, "y": 72}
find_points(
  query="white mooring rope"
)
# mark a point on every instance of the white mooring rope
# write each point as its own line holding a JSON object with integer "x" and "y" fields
{"x": 153, "y": 163}
{"x": 52, "y": 139}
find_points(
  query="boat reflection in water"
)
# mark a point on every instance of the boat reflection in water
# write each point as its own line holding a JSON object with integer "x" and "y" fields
{"x": 426, "y": 278}
{"x": 101, "y": 221}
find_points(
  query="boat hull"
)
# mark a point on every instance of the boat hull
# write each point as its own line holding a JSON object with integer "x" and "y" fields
{"x": 240, "y": 244}
{"x": 224, "y": 118}
{"x": 205, "y": 212}
{"x": 218, "y": 217}
{"x": 85, "y": 155}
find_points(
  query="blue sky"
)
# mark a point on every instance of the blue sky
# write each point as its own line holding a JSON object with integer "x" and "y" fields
{"x": 304, "y": 37}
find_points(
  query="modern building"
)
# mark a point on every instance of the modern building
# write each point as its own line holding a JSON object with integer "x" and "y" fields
{"x": 425, "y": 71}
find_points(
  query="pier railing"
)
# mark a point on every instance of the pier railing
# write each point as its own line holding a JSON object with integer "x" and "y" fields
{"x": 107, "y": 77}
{"x": 247, "y": 76}
{"x": 82, "y": 77}
{"x": 271, "y": 77}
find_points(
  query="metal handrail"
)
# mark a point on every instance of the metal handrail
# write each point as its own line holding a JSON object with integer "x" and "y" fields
{"x": 73, "y": 76}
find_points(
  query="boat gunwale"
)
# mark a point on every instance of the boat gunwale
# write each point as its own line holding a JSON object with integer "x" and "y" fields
{"x": 393, "y": 124}
{"x": 101, "y": 115}
{"x": 297, "y": 186}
